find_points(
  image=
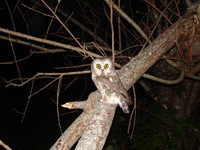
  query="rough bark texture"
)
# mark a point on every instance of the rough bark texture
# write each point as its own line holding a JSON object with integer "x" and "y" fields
{"x": 94, "y": 125}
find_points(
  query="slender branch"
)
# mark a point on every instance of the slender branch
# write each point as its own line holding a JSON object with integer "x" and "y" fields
{"x": 11, "y": 16}
{"x": 5, "y": 146}
{"x": 158, "y": 11}
{"x": 119, "y": 27}
{"x": 125, "y": 16}
{"x": 57, "y": 101}
{"x": 45, "y": 74}
{"x": 15, "y": 58}
{"x": 112, "y": 30}
{"x": 65, "y": 27}
{"x": 28, "y": 101}
{"x": 49, "y": 42}
{"x": 169, "y": 82}
{"x": 41, "y": 48}
{"x": 48, "y": 28}
{"x": 77, "y": 23}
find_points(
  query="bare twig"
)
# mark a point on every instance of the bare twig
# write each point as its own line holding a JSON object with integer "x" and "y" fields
{"x": 11, "y": 16}
{"x": 27, "y": 104}
{"x": 49, "y": 42}
{"x": 125, "y": 16}
{"x": 5, "y": 146}
{"x": 57, "y": 101}
{"x": 112, "y": 31}
{"x": 51, "y": 20}
{"x": 15, "y": 59}
{"x": 158, "y": 11}
{"x": 119, "y": 27}
{"x": 11, "y": 83}
{"x": 78, "y": 24}
{"x": 134, "y": 112}
{"x": 65, "y": 27}
{"x": 169, "y": 82}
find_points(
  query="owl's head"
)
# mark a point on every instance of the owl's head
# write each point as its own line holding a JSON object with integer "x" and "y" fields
{"x": 102, "y": 67}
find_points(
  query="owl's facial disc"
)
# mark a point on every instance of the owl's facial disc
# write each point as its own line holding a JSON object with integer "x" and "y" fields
{"x": 102, "y": 67}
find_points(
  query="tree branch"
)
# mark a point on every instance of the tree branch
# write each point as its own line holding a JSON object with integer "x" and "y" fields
{"x": 49, "y": 42}
{"x": 94, "y": 124}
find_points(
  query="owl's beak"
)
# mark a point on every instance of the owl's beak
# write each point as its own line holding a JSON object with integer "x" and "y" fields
{"x": 102, "y": 72}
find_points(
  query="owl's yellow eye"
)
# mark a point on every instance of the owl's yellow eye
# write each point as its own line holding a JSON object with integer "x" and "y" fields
{"x": 98, "y": 66}
{"x": 106, "y": 66}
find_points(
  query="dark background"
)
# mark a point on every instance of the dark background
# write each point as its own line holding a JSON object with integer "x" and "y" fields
{"x": 156, "y": 128}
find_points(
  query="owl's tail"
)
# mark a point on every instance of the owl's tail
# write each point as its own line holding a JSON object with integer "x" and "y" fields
{"x": 124, "y": 107}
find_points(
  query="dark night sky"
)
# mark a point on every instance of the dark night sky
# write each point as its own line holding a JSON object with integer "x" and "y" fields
{"x": 41, "y": 119}
{"x": 40, "y": 127}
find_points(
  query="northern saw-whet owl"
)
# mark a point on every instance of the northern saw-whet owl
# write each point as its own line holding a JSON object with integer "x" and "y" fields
{"x": 109, "y": 84}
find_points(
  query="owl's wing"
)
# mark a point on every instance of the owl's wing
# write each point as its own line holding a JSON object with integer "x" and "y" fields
{"x": 114, "y": 84}
{"x": 119, "y": 88}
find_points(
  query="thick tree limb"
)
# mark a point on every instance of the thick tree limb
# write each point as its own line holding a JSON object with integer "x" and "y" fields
{"x": 95, "y": 124}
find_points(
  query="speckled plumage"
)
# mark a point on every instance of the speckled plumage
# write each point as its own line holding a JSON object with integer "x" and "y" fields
{"x": 109, "y": 84}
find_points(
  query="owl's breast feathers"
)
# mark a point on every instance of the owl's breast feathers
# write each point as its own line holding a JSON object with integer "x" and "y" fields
{"x": 112, "y": 90}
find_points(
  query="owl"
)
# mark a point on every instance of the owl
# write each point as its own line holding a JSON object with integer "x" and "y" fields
{"x": 109, "y": 84}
